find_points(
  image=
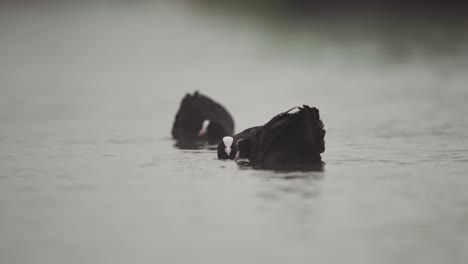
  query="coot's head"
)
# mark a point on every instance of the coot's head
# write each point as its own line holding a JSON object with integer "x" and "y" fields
{"x": 227, "y": 148}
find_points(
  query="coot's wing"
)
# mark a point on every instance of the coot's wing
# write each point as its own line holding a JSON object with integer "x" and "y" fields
{"x": 248, "y": 133}
{"x": 270, "y": 132}
{"x": 254, "y": 141}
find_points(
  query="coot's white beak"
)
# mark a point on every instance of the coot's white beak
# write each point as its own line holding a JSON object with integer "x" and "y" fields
{"x": 227, "y": 150}
{"x": 204, "y": 130}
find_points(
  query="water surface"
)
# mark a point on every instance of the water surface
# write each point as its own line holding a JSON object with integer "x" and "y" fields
{"x": 89, "y": 174}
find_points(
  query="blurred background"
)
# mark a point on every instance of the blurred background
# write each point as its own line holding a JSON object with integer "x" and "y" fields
{"x": 89, "y": 91}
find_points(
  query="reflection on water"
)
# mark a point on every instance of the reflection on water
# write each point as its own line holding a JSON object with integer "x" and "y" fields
{"x": 245, "y": 165}
{"x": 190, "y": 144}
{"x": 88, "y": 174}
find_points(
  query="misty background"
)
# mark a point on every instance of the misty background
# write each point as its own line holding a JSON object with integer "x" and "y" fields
{"x": 89, "y": 91}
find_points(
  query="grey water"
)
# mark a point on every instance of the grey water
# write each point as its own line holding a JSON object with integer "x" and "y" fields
{"x": 89, "y": 173}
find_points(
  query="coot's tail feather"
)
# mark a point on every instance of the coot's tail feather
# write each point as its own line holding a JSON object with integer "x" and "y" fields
{"x": 315, "y": 133}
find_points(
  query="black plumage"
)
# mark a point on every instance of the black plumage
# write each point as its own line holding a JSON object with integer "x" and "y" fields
{"x": 199, "y": 118}
{"x": 288, "y": 141}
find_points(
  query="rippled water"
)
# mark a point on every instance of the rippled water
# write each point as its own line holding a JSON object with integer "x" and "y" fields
{"x": 89, "y": 174}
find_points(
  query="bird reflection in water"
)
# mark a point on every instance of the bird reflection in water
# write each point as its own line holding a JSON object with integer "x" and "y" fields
{"x": 298, "y": 169}
{"x": 195, "y": 145}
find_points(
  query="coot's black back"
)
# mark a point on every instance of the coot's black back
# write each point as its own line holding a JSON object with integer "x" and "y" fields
{"x": 288, "y": 141}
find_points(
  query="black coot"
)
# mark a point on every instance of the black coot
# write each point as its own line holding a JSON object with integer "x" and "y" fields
{"x": 288, "y": 141}
{"x": 200, "y": 119}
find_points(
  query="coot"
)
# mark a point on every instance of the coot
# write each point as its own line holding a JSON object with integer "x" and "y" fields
{"x": 199, "y": 118}
{"x": 288, "y": 141}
